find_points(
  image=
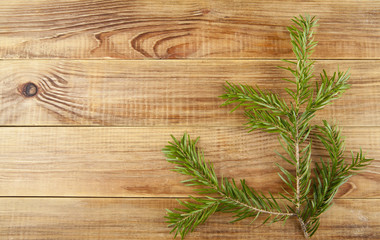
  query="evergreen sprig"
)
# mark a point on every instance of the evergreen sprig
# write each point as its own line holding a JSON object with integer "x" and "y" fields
{"x": 308, "y": 196}
{"x": 244, "y": 202}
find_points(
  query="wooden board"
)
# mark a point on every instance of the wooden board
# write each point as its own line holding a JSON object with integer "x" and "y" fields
{"x": 99, "y": 218}
{"x": 183, "y": 29}
{"x": 127, "y": 162}
{"x": 163, "y": 93}
{"x": 85, "y": 109}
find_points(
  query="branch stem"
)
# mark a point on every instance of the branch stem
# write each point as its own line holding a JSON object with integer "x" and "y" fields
{"x": 303, "y": 227}
{"x": 297, "y": 156}
{"x": 196, "y": 212}
{"x": 221, "y": 193}
{"x": 297, "y": 174}
{"x": 257, "y": 209}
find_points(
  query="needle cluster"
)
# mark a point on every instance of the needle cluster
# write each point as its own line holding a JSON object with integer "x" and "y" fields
{"x": 310, "y": 191}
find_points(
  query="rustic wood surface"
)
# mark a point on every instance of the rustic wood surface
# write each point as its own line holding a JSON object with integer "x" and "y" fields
{"x": 163, "y": 93}
{"x": 182, "y": 29}
{"x": 110, "y": 218}
{"x": 127, "y": 162}
{"x": 86, "y": 107}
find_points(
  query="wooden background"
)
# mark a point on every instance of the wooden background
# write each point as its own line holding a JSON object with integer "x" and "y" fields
{"x": 81, "y": 159}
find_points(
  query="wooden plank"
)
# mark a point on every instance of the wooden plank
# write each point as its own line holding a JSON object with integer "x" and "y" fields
{"x": 127, "y": 162}
{"x": 162, "y": 93}
{"x": 36, "y": 218}
{"x": 183, "y": 29}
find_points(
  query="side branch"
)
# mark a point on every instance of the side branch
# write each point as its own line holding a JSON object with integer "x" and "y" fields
{"x": 244, "y": 201}
{"x": 258, "y": 210}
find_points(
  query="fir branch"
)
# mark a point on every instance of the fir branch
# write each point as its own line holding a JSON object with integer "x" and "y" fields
{"x": 262, "y": 119}
{"x": 244, "y": 202}
{"x": 302, "y": 40}
{"x": 185, "y": 220}
{"x": 254, "y": 99}
{"x": 308, "y": 197}
{"x": 329, "y": 89}
{"x": 330, "y": 175}
{"x": 264, "y": 110}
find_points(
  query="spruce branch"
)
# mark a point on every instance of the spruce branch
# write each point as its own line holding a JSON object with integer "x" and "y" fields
{"x": 244, "y": 202}
{"x": 305, "y": 196}
{"x": 254, "y": 99}
{"x": 330, "y": 174}
{"x": 329, "y": 89}
{"x": 185, "y": 220}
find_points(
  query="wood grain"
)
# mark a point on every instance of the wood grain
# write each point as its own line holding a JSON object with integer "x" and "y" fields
{"x": 127, "y": 162}
{"x": 83, "y": 119}
{"x": 163, "y": 93}
{"x": 183, "y": 29}
{"x": 36, "y": 218}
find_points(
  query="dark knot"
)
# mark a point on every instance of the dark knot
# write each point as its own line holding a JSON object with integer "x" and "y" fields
{"x": 30, "y": 89}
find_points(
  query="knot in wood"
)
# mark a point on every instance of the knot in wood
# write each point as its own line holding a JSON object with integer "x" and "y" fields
{"x": 30, "y": 89}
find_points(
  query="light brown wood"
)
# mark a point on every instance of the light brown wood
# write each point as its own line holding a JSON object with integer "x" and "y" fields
{"x": 163, "y": 93}
{"x": 182, "y": 29}
{"x": 82, "y": 115}
{"x": 127, "y": 162}
{"x": 44, "y": 218}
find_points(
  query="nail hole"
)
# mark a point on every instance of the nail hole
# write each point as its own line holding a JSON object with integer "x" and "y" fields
{"x": 30, "y": 89}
